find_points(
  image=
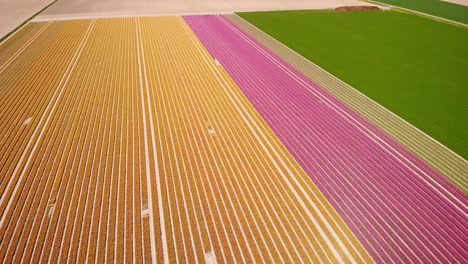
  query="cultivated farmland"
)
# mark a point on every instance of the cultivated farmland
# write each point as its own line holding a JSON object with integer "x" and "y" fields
{"x": 415, "y": 67}
{"x": 148, "y": 151}
{"x": 445, "y": 9}
{"x": 177, "y": 132}
{"x": 358, "y": 168}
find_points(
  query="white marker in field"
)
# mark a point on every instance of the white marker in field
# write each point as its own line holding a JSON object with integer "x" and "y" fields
{"x": 210, "y": 257}
{"x": 27, "y": 121}
{"x": 211, "y": 130}
{"x": 51, "y": 208}
{"x": 144, "y": 211}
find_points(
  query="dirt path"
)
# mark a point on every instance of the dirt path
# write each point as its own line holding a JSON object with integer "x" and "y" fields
{"x": 104, "y": 8}
{"x": 14, "y": 13}
{"x": 459, "y": 2}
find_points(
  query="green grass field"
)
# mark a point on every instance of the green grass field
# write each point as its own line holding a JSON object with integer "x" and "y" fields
{"x": 414, "y": 66}
{"x": 439, "y": 8}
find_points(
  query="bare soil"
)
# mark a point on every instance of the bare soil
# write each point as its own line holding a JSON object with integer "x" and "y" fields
{"x": 70, "y": 9}
{"x": 356, "y": 8}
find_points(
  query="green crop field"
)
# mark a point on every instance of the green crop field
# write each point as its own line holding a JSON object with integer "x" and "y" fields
{"x": 414, "y": 66}
{"x": 439, "y": 8}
